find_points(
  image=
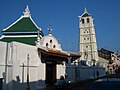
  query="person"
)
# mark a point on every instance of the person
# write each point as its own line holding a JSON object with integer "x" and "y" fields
{"x": 62, "y": 82}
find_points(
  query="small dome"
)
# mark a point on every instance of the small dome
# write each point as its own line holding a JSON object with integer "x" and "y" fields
{"x": 50, "y": 41}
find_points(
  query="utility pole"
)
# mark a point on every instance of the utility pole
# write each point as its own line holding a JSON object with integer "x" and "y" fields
{"x": 28, "y": 86}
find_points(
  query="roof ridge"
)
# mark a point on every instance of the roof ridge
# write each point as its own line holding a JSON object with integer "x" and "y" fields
{"x": 85, "y": 12}
{"x": 23, "y": 16}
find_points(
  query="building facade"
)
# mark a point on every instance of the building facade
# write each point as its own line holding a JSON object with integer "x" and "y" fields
{"x": 28, "y": 59}
{"x": 19, "y": 40}
{"x": 87, "y": 38}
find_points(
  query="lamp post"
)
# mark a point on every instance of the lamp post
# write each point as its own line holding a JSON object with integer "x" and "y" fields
{"x": 75, "y": 64}
{"x": 23, "y": 72}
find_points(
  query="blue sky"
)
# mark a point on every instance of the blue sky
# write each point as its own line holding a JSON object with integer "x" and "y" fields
{"x": 63, "y": 15}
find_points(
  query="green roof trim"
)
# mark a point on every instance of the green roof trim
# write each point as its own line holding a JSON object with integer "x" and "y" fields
{"x": 85, "y": 15}
{"x": 25, "y": 24}
{"x": 25, "y": 40}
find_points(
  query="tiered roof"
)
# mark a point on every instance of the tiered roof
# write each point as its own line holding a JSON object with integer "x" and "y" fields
{"x": 23, "y": 30}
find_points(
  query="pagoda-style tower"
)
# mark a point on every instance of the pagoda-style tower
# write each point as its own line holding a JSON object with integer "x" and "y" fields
{"x": 23, "y": 30}
{"x": 87, "y": 38}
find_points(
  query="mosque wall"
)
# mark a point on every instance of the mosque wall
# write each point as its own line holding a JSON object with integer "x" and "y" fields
{"x": 13, "y": 64}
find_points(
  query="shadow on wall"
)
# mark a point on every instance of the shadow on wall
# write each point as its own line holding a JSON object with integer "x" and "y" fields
{"x": 1, "y": 83}
{"x": 17, "y": 85}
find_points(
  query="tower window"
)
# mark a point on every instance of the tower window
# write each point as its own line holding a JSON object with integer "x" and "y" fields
{"x": 88, "y": 20}
{"x": 86, "y": 31}
{"x": 82, "y": 21}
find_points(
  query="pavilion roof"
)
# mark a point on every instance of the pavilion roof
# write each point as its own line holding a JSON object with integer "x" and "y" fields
{"x": 59, "y": 54}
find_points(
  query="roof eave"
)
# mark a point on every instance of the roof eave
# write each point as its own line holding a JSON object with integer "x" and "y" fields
{"x": 12, "y": 24}
{"x": 35, "y": 24}
{"x": 19, "y": 20}
{"x": 59, "y": 53}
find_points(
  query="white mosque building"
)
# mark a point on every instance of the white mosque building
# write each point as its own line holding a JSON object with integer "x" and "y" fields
{"x": 28, "y": 59}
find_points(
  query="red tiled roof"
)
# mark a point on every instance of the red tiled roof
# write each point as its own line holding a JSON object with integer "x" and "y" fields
{"x": 59, "y": 53}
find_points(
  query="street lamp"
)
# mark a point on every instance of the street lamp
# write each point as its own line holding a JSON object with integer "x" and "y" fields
{"x": 76, "y": 74}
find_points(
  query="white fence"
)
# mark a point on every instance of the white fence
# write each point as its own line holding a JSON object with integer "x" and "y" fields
{"x": 78, "y": 72}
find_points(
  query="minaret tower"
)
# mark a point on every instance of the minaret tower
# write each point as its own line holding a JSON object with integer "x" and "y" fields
{"x": 87, "y": 38}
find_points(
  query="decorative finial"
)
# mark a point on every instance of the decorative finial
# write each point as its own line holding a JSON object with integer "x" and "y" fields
{"x": 27, "y": 12}
{"x": 49, "y": 29}
{"x": 85, "y": 10}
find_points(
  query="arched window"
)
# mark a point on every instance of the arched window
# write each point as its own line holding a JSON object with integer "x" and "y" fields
{"x": 87, "y": 31}
{"x": 82, "y": 21}
{"x": 46, "y": 44}
{"x": 54, "y": 46}
{"x": 51, "y": 41}
{"x": 88, "y": 20}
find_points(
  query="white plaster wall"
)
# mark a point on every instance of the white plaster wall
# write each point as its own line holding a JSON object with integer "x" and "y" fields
{"x": 17, "y": 56}
{"x": 70, "y": 71}
{"x": 88, "y": 72}
{"x": 36, "y": 69}
{"x": 3, "y": 46}
{"x": 2, "y": 70}
{"x": 60, "y": 70}
{"x": 83, "y": 72}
